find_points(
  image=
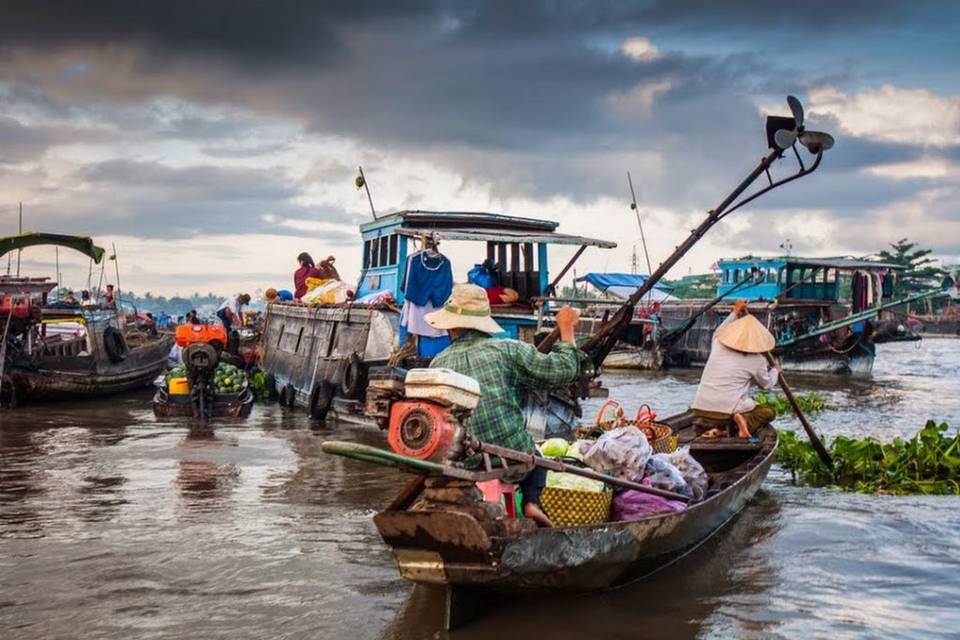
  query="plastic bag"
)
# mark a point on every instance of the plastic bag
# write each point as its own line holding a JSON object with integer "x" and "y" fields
{"x": 559, "y": 480}
{"x": 633, "y": 505}
{"x": 622, "y": 452}
{"x": 330, "y": 292}
{"x": 691, "y": 470}
{"x": 663, "y": 475}
{"x": 481, "y": 276}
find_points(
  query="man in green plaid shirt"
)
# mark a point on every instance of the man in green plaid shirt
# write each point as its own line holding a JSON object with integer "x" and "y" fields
{"x": 505, "y": 369}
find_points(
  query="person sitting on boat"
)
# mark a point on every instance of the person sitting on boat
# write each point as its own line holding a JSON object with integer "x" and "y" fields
{"x": 192, "y": 317}
{"x": 736, "y": 359}
{"x": 230, "y": 311}
{"x": 86, "y": 300}
{"x": 272, "y": 295}
{"x": 505, "y": 369}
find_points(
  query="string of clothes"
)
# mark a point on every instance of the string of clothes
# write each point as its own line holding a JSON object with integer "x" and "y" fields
{"x": 427, "y": 284}
{"x": 870, "y": 288}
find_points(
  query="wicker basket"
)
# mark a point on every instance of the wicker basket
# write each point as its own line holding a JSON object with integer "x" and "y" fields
{"x": 665, "y": 442}
{"x": 567, "y": 507}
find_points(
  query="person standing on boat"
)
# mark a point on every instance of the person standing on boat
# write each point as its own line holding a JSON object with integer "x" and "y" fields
{"x": 110, "y": 298}
{"x": 505, "y": 369}
{"x": 736, "y": 360}
{"x": 230, "y": 311}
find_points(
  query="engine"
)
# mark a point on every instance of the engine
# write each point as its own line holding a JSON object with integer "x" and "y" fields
{"x": 425, "y": 411}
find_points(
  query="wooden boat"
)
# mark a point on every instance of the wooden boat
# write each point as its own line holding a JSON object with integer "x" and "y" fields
{"x": 54, "y": 353}
{"x": 233, "y": 406}
{"x": 458, "y": 546}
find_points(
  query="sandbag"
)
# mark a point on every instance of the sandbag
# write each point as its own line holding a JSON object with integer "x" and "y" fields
{"x": 622, "y": 452}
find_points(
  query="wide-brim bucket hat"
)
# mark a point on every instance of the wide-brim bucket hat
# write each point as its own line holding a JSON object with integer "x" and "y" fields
{"x": 746, "y": 334}
{"x": 467, "y": 308}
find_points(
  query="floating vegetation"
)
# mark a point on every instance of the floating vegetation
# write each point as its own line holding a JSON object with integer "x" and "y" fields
{"x": 810, "y": 403}
{"x": 927, "y": 463}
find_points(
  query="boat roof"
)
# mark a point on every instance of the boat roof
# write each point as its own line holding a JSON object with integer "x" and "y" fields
{"x": 845, "y": 263}
{"x": 479, "y": 226}
{"x": 83, "y": 244}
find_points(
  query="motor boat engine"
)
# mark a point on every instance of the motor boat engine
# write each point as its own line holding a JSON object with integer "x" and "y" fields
{"x": 201, "y": 360}
{"x": 430, "y": 421}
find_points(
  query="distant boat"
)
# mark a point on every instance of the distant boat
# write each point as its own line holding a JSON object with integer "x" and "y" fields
{"x": 68, "y": 351}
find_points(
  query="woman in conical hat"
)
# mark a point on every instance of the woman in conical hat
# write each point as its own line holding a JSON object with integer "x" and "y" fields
{"x": 736, "y": 361}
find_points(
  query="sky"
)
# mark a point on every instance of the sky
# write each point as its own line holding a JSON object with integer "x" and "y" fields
{"x": 213, "y": 141}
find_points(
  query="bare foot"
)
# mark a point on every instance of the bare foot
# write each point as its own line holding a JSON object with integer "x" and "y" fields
{"x": 742, "y": 430}
{"x": 533, "y": 511}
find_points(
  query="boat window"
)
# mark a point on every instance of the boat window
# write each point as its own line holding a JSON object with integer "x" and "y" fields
{"x": 366, "y": 254}
{"x": 780, "y": 275}
{"x": 736, "y": 275}
{"x": 384, "y": 251}
{"x": 374, "y": 253}
{"x": 394, "y": 248}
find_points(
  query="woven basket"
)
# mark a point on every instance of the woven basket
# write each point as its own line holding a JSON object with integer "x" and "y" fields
{"x": 665, "y": 442}
{"x": 567, "y": 507}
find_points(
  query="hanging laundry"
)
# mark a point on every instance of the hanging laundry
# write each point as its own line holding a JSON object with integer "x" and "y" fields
{"x": 427, "y": 284}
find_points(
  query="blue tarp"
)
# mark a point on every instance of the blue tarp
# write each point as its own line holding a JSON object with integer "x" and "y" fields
{"x": 604, "y": 281}
{"x": 623, "y": 285}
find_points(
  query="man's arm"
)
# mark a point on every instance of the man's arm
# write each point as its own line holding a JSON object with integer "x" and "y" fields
{"x": 765, "y": 376}
{"x": 739, "y": 309}
{"x": 558, "y": 368}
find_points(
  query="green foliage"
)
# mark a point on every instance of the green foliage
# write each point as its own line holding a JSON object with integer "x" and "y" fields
{"x": 927, "y": 463}
{"x": 695, "y": 286}
{"x": 810, "y": 403}
{"x": 920, "y": 275}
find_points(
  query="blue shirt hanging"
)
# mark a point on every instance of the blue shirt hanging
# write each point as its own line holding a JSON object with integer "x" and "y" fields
{"x": 429, "y": 279}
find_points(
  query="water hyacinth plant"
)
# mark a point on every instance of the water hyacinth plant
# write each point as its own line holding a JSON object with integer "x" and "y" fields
{"x": 809, "y": 403}
{"x": 927, "y": 463}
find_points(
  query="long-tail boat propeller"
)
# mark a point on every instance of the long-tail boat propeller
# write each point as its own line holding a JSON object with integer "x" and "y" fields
{"x": 814, "y": 141}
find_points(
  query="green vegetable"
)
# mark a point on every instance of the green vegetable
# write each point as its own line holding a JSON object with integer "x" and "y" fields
{"x": 554, "y": 448}
{"x": 810, "y": 403}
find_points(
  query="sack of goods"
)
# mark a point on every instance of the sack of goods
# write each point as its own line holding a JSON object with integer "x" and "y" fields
{"x": 228, "y": 379}
{"x": 661, "y": 474}
{"x": 329, "y": 292}
{"x": 633, "y": 505}
{"x": 622, "y": 452}
{"x": 691, "y": 470}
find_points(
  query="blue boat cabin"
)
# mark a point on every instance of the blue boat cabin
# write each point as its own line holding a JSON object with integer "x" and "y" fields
{"x": 791, "y": 278}
{"x": 517, "y": 247}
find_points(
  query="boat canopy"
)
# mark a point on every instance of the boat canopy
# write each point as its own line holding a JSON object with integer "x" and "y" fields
{"x": 622, "y": 285}
{"x": 82, "y": 244}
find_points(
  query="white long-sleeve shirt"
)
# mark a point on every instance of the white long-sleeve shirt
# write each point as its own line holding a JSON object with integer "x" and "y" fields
{"x": 725, "y": 385}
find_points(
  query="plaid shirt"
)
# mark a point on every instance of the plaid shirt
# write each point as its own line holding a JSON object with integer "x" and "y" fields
{"x": 505, "y": 369}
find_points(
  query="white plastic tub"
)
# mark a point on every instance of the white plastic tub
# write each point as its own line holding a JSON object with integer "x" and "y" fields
{"x": 442, "y": 386}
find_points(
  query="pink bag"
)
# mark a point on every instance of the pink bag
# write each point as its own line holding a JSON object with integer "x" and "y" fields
{"x": 633, "y": 505}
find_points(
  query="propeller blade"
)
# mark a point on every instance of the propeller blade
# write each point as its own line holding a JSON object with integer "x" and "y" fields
{"x": 816, "y": 140}
{"x": 796, "y": 109}
{"x": 784, "y": 139}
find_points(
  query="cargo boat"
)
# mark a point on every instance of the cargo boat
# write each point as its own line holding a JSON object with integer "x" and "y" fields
{"x": 319, "y": 356}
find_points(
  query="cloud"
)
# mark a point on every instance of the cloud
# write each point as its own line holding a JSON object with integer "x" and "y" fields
{"x": 892, "y": 114}
{"x": 639, "y": 49}
{"x": 19, "y": 143}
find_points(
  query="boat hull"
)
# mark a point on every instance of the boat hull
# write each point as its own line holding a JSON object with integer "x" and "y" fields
{"x": 239, "y": 407}
{"x": 52, "y": 379}
{"x": 452, "y": 549}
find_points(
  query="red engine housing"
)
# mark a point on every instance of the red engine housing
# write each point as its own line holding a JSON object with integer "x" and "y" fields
{"x": 18, "y": 305}
{"x": 422, "y": 430}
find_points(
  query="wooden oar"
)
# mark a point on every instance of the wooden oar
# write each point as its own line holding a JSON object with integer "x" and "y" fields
{"x": 374, "y": 455}
{"x": 814, "y": 440}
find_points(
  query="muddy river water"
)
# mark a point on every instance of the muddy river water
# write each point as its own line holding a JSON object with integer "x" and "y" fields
{"x": 114, "y": 524}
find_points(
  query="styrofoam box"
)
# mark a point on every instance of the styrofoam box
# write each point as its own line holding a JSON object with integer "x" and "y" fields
{"x": 442, "y": 386}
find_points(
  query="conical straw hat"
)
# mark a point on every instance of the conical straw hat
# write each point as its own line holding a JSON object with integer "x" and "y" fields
{"x": 748, "y": 335}
{"x": 467, "y": 308}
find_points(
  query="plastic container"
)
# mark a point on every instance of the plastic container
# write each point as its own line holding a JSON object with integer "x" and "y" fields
{"x": 390, "y": 379}
{"x": 178, "y": 387}
{"x": 443, "y": 386}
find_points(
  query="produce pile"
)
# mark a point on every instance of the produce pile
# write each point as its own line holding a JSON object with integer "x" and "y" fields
{"x": 927, "y": 463}
{"x": 180, "y": 371}
{"x": 227, "y": 379}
